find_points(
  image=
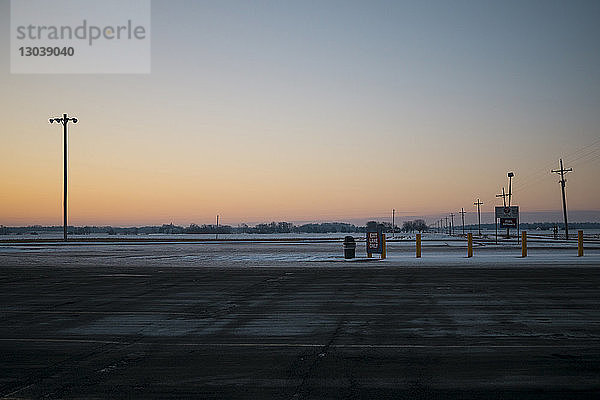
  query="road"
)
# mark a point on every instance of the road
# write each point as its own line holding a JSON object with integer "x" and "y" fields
{"x": 248, "y": 321}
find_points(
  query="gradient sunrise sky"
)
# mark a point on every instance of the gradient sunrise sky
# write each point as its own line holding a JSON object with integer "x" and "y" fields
{"x": 314, "y": 110}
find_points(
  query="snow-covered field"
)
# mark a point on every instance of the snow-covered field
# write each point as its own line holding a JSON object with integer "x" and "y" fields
{"x": 489, "y": 234}
{"x": 436, "y": 252}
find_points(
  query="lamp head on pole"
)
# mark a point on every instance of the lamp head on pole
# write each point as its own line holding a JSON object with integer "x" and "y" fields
{"x": 63, "y": 120}
{"x": 511, "y": 174}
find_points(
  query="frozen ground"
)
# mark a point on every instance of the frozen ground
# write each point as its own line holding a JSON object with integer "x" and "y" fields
{"x": 435, "y": 252}
{"x": 244, "y": 320}
{"x": 592, "y": 233}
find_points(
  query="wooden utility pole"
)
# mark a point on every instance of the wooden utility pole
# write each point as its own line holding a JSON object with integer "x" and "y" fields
{"x": 64, "y": 121}
{"x": 217, "y": 230}
{"x": 393, "y": 222}
{"x": 462, "y": 214}
{"x": 451, "y": 223}
{"x": 562, "y": 171}
{"x": 504, "y": 196}
{"x": 478, "y": 203}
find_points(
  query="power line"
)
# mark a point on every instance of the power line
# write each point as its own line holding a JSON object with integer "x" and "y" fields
{"x": 539, "y": 175}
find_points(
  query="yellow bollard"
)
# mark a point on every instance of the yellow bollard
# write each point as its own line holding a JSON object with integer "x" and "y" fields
{"x": 383, "y": 247}
{"x": 418, "y": 245}
{"x": 524, "y": 244}
{"x": 579, "y": 243}
{"x": 470, "y": 245}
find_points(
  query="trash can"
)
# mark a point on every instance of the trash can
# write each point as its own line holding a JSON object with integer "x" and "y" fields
{"x": 349, "y": 247}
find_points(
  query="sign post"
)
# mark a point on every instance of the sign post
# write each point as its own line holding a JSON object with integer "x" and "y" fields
{"x": 509, "y": 218}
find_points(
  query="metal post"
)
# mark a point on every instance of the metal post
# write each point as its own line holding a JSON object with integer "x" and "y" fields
{"x": 510, "y": 176}
{"x": 65, "y": 155}
{"x": 496, "y": 223}
{"x": 518, "y": 228}
{"x": 393, "y": 220}
{"x": 418, "y": 245}
{"x": 64, "y": 121}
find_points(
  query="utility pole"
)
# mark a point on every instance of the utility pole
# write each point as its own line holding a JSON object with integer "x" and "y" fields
{"x": 393, "y": 222}
{"x": 504, "y": 196}
{"x": 478, "y": 203}
{"x": 217, "y": 230}
{"x": 462, "y": 214}
{"x": 64, "y": 121}
{"x": 562, "y": 171}
{"x": 451, "y": 223}
{"x": 447, "y": 230}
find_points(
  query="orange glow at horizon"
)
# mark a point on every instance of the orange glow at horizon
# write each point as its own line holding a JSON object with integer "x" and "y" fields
{"x": 284, "y": 111}
{"x": 139, "y": 183}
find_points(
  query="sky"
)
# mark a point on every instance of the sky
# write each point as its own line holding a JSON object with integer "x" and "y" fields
{"x": 315, "y": 111}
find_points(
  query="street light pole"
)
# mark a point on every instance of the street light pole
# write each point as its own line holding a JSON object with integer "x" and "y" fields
{"x": 510, "y": 176}
{"x": 64, "y": 121}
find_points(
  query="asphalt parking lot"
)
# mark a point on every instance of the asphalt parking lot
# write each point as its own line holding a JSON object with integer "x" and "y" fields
{"x": 269, "y": 321}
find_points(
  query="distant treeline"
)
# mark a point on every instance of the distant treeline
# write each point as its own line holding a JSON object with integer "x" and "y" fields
{"x": 418, "y": 225}
{"x": 270, "y": 228}
{"x": 273, "y": 227}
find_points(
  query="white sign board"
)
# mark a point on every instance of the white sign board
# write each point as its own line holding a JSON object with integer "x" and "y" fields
{"x": 507, "y": 212}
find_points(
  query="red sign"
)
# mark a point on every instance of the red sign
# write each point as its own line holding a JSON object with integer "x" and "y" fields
{"x": 372, "y": 241}
{"x": 508, "y": 222}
